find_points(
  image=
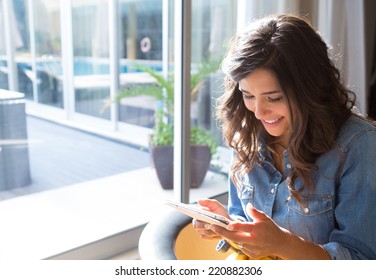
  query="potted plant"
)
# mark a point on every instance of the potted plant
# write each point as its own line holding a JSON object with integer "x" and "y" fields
{"x": 203, "y": 145}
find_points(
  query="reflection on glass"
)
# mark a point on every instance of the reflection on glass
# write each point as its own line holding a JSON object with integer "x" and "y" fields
{"x": 48, "y": 52}
{"x": 19, "y": 13}
{"x": 140, "y": 42}
{"x": 3, "y": 59}
{"x": 91, "y": 56}
{"x": 213, "y": 24}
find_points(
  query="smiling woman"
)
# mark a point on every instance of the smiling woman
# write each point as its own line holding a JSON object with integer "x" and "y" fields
{"x": 298, "y": 149}
{"x": 68, "y": 57}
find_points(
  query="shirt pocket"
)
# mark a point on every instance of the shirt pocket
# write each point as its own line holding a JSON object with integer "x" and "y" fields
{"x": 313, "y": 219}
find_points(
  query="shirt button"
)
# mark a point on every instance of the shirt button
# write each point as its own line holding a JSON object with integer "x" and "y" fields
{"x": 272, "y": 190}
{"x": 288, "y": 166}
{"x": 306, "y": 210}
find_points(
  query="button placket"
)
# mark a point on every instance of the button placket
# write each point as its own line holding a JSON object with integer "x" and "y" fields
{"x": 269, "y": 202}
{"x": 273, "y": 188}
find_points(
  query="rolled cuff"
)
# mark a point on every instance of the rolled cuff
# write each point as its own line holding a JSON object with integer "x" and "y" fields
{"x": 337, "y": 252}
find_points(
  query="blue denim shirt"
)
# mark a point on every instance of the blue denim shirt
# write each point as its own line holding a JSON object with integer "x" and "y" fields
{"x": 340, "y": 214}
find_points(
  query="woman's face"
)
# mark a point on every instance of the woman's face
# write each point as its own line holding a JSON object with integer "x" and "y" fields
{"x": 262, "y": 94}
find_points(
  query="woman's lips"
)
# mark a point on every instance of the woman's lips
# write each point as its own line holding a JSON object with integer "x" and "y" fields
{"x": 272, "y": 122}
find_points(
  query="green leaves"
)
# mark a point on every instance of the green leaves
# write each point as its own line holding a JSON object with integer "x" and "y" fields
{"x": 164, "y": 136}
{"x": 163, "y": 90}
{"x": 202, "y": 137}
{"x": 167, "y": 84}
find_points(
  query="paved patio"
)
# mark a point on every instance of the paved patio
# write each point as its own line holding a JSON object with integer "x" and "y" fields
{"x": 61, "y": 156}
{"x": 89, "y": 197}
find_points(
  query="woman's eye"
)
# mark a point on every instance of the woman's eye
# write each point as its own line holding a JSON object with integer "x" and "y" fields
{"x": 248, "y": 96}
{"x": 273, "y": 100}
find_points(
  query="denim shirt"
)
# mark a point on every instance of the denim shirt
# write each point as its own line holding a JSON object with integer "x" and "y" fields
{"x": 340, "y": 214}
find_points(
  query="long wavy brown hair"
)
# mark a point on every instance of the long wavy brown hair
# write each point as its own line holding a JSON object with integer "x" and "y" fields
{"x": 319, "y": 103}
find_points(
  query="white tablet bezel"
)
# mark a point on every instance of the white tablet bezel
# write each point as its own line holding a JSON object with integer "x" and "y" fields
{"x": 200, "y": 214}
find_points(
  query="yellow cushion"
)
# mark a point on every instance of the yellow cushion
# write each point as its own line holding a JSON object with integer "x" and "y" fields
{"x": 190, "y": 246}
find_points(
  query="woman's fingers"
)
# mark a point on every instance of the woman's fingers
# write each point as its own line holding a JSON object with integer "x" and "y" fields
{"x": 240, "y": 226}
{"x": 199, "y": 224}
{"x": 204, "y": 230}
{"x": 236, "y": 235}
{"x": 213, "y": 205}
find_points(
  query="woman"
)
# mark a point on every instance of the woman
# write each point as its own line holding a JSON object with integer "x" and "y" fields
{"x": 302, "y": 182}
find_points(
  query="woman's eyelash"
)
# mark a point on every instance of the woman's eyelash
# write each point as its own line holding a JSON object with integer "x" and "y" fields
{"x": 247, "y": 96}
{"x": 270, "y": 99}
{"x": 273, "y": 100}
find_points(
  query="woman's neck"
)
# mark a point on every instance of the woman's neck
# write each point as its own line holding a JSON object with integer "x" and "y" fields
{"x": 277, "y": 153}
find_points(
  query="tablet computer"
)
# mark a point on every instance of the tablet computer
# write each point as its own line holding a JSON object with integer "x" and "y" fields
{"x": 200, "y": 214}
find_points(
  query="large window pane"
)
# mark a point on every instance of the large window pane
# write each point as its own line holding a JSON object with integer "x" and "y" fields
{"x": 68, "y": 159}
{"x": 22, "y": 45}
{"x": 48, "y": 52}
{"x": 140, "y": 42}
{"x": 213, "y": 24}
{"x": 91, "y": 56}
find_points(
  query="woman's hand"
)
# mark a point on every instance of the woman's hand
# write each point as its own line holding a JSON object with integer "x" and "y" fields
{"x": 204, "y": 228}
{"x": 260, "y": 238}
{"x": 257, "y": 239}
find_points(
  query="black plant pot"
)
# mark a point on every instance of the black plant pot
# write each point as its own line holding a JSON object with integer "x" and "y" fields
{"x": 164, "y": 164}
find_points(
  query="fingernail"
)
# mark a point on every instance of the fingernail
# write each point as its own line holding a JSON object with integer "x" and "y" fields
{"x": 207, "y": 226}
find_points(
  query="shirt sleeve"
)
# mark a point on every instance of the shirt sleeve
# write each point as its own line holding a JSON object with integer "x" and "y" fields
{"x": 355, "y": 210}
{"x": 235, "y": 208}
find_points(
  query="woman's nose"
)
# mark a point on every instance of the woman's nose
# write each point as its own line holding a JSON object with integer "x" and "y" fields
{"x": 260, "y": 109}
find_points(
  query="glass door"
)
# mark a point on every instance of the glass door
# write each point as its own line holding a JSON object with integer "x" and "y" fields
{"x": 47, "y": 44}
{"x": 90, "y": 26}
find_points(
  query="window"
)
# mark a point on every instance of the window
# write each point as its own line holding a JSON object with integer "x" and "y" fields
{"x": 83, "y": 149}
